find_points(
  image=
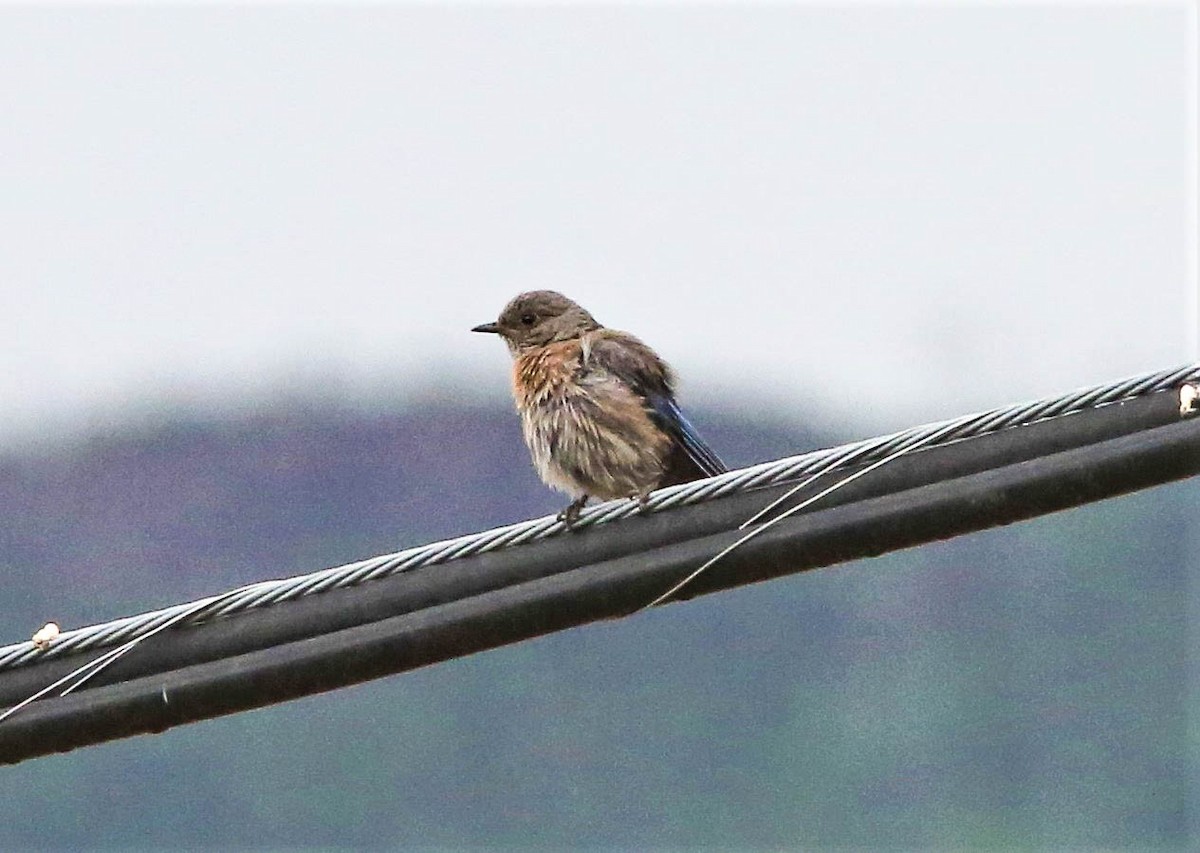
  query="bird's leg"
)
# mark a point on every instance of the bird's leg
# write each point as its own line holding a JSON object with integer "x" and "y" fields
{"x": 642, "y": 498}
{"x": 571, "y": 514}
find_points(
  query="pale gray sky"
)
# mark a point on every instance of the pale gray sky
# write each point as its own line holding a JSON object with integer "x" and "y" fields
{"x": 893, "y": 212}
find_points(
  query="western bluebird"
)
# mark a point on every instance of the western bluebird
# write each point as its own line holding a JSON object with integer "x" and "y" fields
{"x": 597, "y": 406}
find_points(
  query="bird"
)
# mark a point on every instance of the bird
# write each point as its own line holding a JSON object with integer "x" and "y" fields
{"x": 597, "y": 406}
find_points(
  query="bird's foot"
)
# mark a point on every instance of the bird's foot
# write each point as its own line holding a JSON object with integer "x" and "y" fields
{"x": 570, "y": 515}
{"x": 642, "y": 499}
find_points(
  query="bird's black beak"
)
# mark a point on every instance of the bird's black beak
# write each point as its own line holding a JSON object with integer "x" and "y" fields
{"x": 487, "y": 327}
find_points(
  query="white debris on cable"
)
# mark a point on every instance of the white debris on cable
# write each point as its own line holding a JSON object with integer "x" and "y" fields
{"x": 1188, "y": 394}
{"x": 46, "y": 635}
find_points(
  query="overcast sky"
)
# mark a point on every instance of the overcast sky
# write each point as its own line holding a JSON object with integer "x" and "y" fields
{"x": 894, "y": 213}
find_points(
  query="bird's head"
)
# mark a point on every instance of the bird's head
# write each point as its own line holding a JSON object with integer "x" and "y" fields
{"x": 537, "y": 318}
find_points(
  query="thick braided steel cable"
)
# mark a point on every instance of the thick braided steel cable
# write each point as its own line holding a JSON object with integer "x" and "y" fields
{"x": 792, "y": 468}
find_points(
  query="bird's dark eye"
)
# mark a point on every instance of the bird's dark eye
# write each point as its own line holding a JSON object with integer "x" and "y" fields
{"x": 527, "y": 319}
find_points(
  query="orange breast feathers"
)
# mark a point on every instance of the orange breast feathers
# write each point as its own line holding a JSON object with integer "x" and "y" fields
{"x": 545, "y": 373}
{"x": 588, "y": 432}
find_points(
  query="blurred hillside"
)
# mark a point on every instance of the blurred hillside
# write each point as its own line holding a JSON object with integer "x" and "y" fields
{"x": 1023, "y": 686}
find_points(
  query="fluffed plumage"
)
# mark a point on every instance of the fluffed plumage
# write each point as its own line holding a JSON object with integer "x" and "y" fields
{"x": 597, "y": 406}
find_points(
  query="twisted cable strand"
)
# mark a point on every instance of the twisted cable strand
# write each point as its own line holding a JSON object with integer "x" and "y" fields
{"x": 811, "y": 464}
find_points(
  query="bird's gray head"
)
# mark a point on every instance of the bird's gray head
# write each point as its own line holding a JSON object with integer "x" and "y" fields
{"x": 537, "y": 318}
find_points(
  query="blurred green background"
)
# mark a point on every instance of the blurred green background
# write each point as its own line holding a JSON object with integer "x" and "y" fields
{"x": 242, "y": 247}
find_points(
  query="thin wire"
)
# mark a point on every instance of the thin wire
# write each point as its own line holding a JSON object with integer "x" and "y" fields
{"x": 712, "y": 561}
{"x": 87, "y": 671}
{"x": 841, "y": 462}
{"x": 51, "y": 687}
{"x": 270, "y": 592}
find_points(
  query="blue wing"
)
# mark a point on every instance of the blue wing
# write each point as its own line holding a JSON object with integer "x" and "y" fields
{"x": 644, "y": 373}
{"x": 673, "y": 421}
